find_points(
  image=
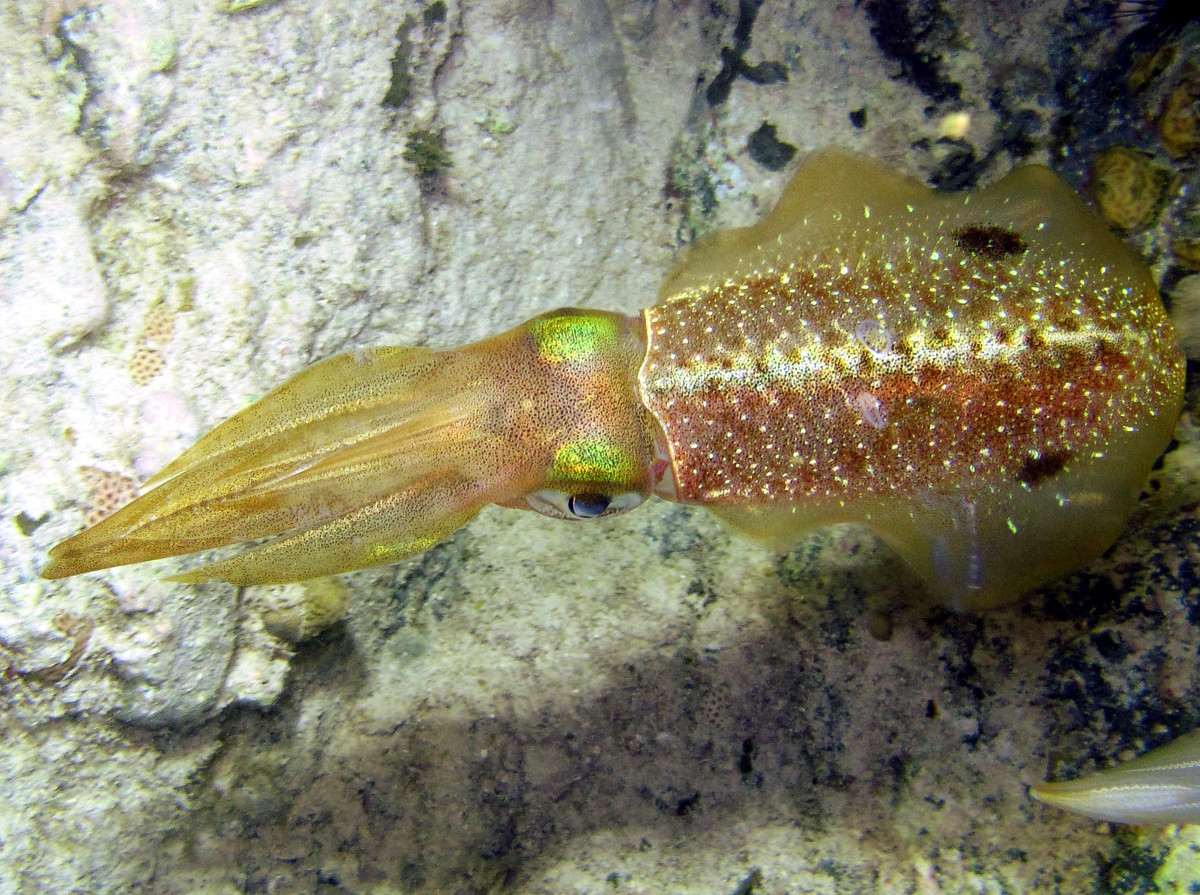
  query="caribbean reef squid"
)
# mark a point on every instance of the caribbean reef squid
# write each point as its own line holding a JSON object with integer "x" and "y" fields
{"x": 984, "y": 380}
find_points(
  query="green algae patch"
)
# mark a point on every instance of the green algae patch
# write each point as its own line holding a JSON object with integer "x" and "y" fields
{"x": 426, "y": 151}
{"x": 400, "y": 85}
{"x": 691, "y": 183}
{"x": 1180, "y": 866}
{"x": 236, "y": 6}
{"x": 434, "y": 13}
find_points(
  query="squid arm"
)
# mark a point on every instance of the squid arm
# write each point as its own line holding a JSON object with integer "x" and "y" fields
{"x": 373, "y": 456}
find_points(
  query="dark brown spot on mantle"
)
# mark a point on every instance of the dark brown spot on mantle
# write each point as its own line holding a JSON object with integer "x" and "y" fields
{"x": 993, "y": 243}
{"x": 1036, "y": 470}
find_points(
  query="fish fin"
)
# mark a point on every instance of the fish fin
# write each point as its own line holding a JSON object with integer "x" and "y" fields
{"x": 778, "y": 526}
{"x": 982, "y": 551}
{"x": 977, "y": 549}
{"x": 1160, "y": 787}
{"x": 825, "y": 197}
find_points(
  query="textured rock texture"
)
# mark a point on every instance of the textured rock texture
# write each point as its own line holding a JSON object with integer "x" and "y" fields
{"x": 195, "y": 204}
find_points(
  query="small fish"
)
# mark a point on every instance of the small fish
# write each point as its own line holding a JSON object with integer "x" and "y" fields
{"x": 983, "y": 379}
{"x": 1160, "y": 787}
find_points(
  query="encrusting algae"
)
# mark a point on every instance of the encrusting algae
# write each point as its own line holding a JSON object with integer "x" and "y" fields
{"x": 982, "y": 379}
{"x": 1179, "y": 121}
{"x": 1129, "y": 186}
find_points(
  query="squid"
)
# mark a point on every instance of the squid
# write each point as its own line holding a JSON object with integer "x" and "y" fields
{"x": 983, "y": 379}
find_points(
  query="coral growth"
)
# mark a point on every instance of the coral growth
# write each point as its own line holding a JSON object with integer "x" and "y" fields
{"x": 158, "y": 329}
{"x": 145, "y": 365}
{"x": 110, "y": 491}
{"x": 158, "y": 326}
{"x": 1179, "y": 123}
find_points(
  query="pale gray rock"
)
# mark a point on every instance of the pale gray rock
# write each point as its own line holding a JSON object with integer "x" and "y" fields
{"x": 124, "y": 51}
{"x": 641, "y": 705}
{"x": 54, "y": 262}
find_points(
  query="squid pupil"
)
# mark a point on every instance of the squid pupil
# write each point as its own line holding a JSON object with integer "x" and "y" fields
{"x": 587, "y": 506}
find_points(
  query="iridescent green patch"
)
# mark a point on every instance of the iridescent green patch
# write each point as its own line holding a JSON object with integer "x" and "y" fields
{"x": 592, "y": 461}
{"x": 564, "y": 338}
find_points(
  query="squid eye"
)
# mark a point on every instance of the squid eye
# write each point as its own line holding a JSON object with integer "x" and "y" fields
{"x": 588, "y": 506}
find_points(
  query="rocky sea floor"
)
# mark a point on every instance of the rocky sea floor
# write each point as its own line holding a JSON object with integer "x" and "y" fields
{"x": 197, "y": 200}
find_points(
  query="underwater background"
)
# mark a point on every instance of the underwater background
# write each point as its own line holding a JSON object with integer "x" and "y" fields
{"x": 199, "y": 199}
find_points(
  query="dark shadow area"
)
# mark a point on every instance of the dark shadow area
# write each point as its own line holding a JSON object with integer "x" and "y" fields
{"x": 798, "y": 726}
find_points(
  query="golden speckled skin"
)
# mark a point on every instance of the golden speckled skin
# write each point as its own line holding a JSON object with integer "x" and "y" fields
{"x": 372, "y": 456}
{"x": 984, "y": 380}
